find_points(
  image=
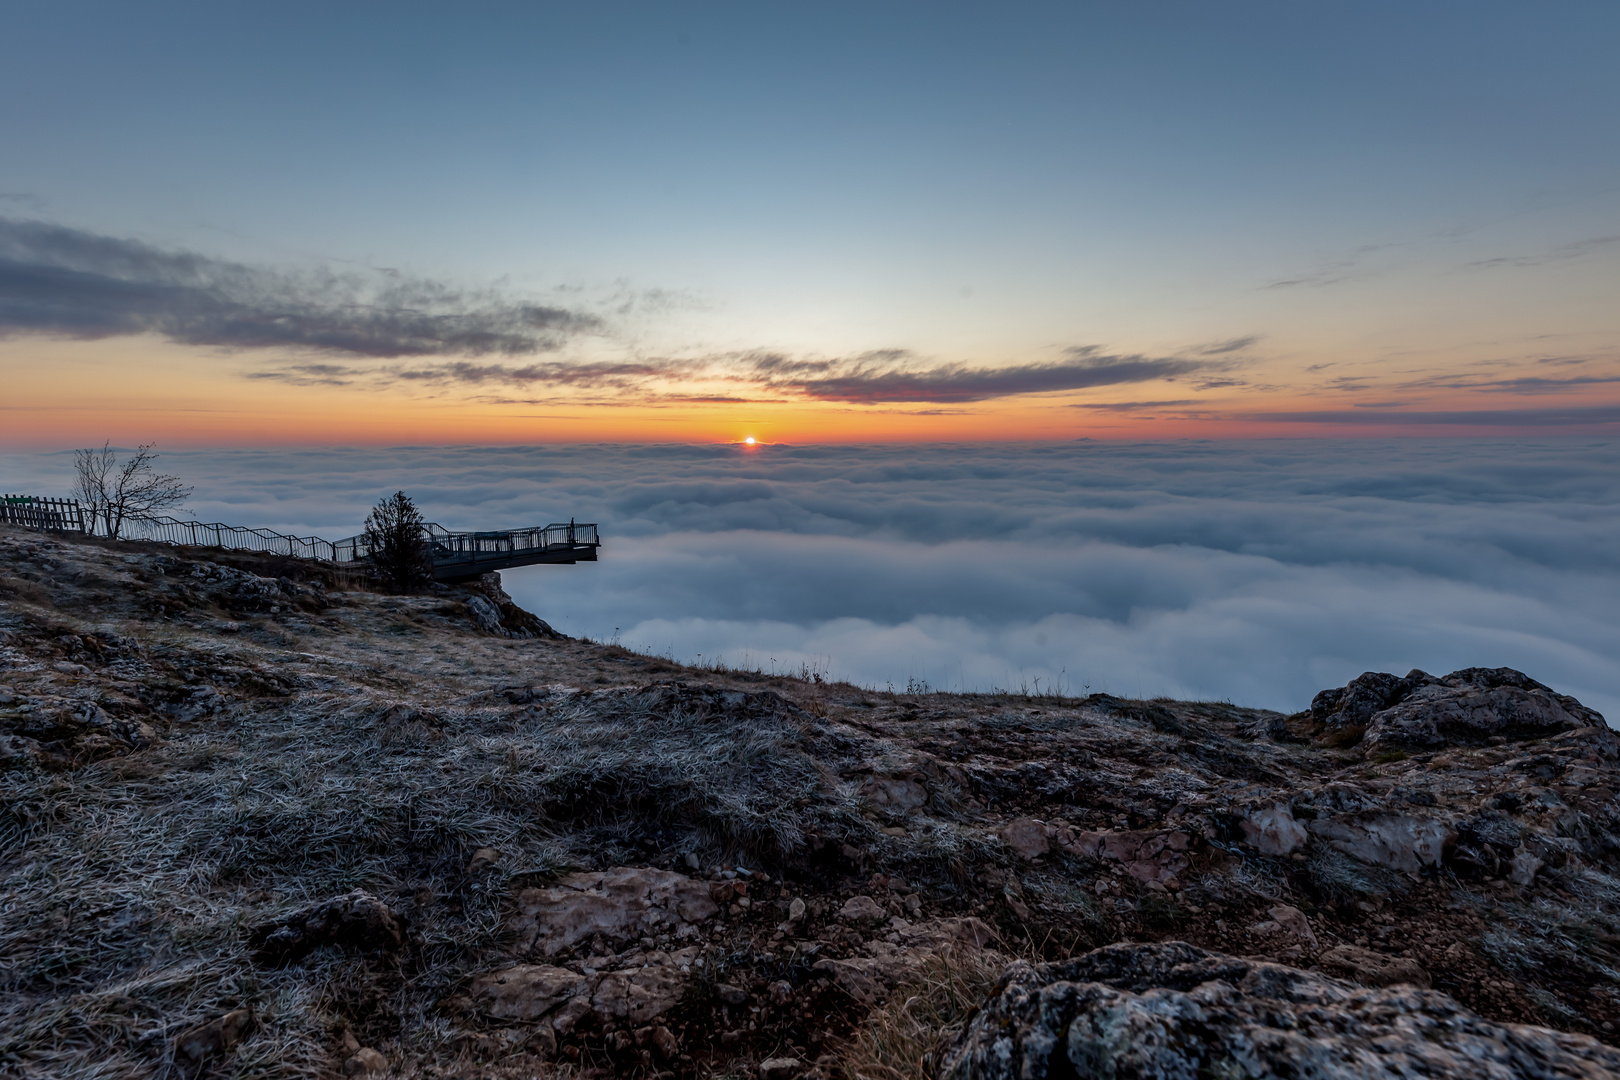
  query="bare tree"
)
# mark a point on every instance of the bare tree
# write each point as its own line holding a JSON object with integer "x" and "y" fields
{"x": 394, "y": 531}
{"x": 133, "y": 491}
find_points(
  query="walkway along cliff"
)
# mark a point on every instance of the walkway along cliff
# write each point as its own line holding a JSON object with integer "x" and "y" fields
{"x": 454, "y": 555}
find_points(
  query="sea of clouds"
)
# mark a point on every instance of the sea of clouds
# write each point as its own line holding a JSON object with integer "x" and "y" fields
{"x": 1258, "y": 572}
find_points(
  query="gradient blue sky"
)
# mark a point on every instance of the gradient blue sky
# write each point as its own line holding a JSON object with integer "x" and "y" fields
{"x": 1386, "y": 206}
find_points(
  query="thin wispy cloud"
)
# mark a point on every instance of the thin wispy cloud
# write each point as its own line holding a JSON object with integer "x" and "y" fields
{"x": 894, "y": 376}
{"x": 1222, "y": 348}
{"x": 66, "y": 282}
{"x": 1562, "y": 253}
{"x": 1572, "y": 416}
{"x": 1131, "y": 406}
{"x": 1529, "y": 384}
{"x": 586, "y": 374}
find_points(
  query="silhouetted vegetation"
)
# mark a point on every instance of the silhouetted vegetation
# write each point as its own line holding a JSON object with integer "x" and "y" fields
{"x": 395, "y": 535}
{"x": 115, "y": 493}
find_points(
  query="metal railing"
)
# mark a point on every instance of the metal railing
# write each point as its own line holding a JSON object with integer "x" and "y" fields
{"x": 444, "y": 546}
{"x": 509, "y": 541}
{"x": 214, "y": 534}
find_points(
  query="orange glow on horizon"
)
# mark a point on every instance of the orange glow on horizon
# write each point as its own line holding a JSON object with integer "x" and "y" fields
{"x": 62, "y": 394}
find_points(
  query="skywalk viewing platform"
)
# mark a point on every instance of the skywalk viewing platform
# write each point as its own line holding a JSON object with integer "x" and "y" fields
{"x": 453, "y": 555}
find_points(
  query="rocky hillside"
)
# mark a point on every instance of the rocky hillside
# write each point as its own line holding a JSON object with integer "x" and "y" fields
{"x": 260, "y": 820}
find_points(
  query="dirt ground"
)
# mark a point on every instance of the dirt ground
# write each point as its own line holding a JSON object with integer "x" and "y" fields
{"x": 199, "y": 749}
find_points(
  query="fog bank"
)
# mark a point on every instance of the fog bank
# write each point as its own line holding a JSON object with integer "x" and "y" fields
{"x": 1259, "y": 572}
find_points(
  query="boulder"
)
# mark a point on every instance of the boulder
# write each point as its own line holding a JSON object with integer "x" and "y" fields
{"x": 1172, "y": 1010}
{"x": 1272, "y": 830}
{"x": 1027, "y": 837}
{"x": 624, "y": 902}
{"x": 496, "y": 613}
{"x": 862, "y": 910}
{"x": 1466, "y": 707}
{"x": 357, "y": 920}
{"x": 485, "y": 614}
{"x": 1353, "y": 705}
{"x": 1398, "y": 841}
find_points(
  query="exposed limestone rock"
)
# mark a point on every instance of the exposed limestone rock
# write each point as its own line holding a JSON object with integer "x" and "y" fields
{"x": 1398, "y": 841}
{"x": 498, "y": 614}
{"x": 619, "y": 903}
{"x": 1466, "y": 707}
{"x": 637, "y": 994}
{"x": 1172, "y": 1010}
{"x": 896, "y": 794}
{"x": 356, "y": 920}
{"x": 1524, "y": 866}
{"x": 780, "y": 1068}
{"x": 1147, "y": 856}
{"x": 639, "y": 988}
{"x": 882, "y": 965}
{"x": 486, "y": 615}
{"x": 1272, "y": 830}
{"x": 525, "y": 992}
{"x": 1289, "y": 922}
{"x": 1373, "y": 968}
{"x": 1027, "y": 837}
{"x": 862, "y": 909}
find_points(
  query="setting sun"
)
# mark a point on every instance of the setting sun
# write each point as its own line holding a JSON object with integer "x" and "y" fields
{"x": 748, "y": 441}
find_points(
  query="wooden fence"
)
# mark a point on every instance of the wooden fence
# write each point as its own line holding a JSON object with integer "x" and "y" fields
{"x": 33, "y": 512}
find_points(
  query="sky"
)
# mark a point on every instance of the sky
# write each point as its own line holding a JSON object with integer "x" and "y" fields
{"x": 368, "y": 224}
{"x": 1252, "y": 571}
{"x": 1212, "y": 350}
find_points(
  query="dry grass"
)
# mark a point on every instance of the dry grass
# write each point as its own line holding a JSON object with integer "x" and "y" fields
{"x": 904, "y": 1038}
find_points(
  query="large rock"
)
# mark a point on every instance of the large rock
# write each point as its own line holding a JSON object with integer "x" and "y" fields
{"x": 1173, "y": 1011}
{"x": 524, "y": 992}
{"x": 624, "y": 902}
{"x": 497, "y": 614}
{"x": 1158, "y": 856}
{"x": 643, "y": 991}
{"x": 1398, "y": 841}
{"x": 879, "y": 966}
{"x": 1272, "y": 830}
{"x": 356, "y": 920}
{"x": 1466, "y": 707}
{"x": 639, "y": 988}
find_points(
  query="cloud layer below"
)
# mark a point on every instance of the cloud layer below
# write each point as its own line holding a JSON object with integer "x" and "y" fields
{"x": 1259, "y": 572}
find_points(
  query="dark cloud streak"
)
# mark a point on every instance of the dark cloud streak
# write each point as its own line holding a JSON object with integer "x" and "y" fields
{"x": 66, "y": 282}
{"x": 884, "y": 378}
{"x": 1571, "y": 416}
